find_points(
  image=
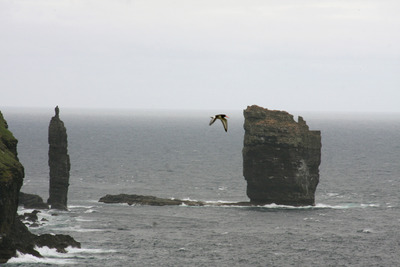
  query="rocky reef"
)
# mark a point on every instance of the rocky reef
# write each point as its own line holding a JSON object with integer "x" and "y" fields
{"x": 14, "y": 235}
{"x": 59, "y": 163}
{"x": 157, "y": 201}
{"x": 281, "y": 158}
{"x": 148, "y": 200}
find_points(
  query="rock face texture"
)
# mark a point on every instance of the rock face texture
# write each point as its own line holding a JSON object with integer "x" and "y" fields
{"x": 59, "y": 163}
{"x": 281, "y": 158}
{"x": 11, "y": 178}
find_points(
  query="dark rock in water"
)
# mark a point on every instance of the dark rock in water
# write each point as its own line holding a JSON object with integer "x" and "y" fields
{"x": 25, "y": 242}
{"x": 11, "y": 178}
{"x": 59, "y": 163}
{"x": 31, "y": 201}
{"x": 31, "y": 219}
{"x": 156, "y": 201}
{"x": 30, "y": 216}
{"x": 147, "y": 200}
{"x": 58, "y": 241}
{"x": 281, "y": 158}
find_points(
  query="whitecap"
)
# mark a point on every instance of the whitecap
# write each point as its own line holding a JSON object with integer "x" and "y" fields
{"x": 187, "y": 199}
{"x": 90, "y": 211}
{"x": 277, "y": 206}
{"x": 50, "y": 256}
{"x": 83, "y": 220}
{"x": 77, "y": 228}
{"x": 365, "y": 231}
{"x": 79, "y": 207}
{"x": 218, "y": 201}
{"x": 369, "y": 205}
{"x": 72, "y": 250}
{"x": 332, "y": 194}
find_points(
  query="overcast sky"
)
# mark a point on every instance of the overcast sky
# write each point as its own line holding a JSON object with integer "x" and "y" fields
{"x": 201, "y": 54}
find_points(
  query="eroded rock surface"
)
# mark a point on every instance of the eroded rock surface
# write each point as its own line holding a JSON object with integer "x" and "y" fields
{"x": 281, "y": 158}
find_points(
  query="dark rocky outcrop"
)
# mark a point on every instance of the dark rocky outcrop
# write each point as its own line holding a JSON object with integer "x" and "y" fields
{"x": 25, "y": 242}
{"x": 14, "y": 235}
{"x": 157, "y": 201}
{"x": 31, "y": 201}
{"x": 281, "y": 158}
{"x": 59, "y": 163}
{"x": 148, "y": 200}
{"x": 11, "y": 178}
{"x": 31, "y": 219}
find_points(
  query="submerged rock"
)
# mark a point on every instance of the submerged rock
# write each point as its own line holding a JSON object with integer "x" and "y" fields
{"x": 59, "y": 163}
{"x": 281, "y": 158}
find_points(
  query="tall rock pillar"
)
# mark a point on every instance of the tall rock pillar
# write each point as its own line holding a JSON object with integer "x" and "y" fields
{"x": 281, "y": 158}
{"x": 58, "y": 162}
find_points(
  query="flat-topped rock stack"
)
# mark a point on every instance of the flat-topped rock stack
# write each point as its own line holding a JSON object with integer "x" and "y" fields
{"x": 281, "y": 158}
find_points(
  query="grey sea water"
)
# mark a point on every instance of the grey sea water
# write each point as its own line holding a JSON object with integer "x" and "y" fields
{"x": 176, "y": 154}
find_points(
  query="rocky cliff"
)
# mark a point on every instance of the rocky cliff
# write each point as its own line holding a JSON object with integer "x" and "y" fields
{"x": 59, "y": 163}
{"x": 14, "y": 235}
{"x": 11, "y": 178}
{"x": 281, "y": 158}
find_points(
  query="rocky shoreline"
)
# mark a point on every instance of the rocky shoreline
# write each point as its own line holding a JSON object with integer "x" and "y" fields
{"x": 14, "y": 234}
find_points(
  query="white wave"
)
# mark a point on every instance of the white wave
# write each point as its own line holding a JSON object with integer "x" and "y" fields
{"x": 217, "y": 201}
{"x": 50, "y": 256}
{"x": 90, "y": 211}
{"x": 83, "y": 220}
{"x": 323, "y": 206}
{"x": 77, "y": 228}
{"x": 186, "y": 199}
{"x": 289, "y": 207}
{"x": 370, "y": 205}
{"x": 80, "y": 207}
{"x": 72, "y": 250}
{"x": 332, "y": 194}
{"x": 366, "y": 231}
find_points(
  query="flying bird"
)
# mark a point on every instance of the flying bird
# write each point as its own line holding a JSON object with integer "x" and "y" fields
{"x": 223, "y": 120}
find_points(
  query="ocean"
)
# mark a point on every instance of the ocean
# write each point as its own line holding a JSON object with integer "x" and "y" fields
{"x": 171, "y": 154}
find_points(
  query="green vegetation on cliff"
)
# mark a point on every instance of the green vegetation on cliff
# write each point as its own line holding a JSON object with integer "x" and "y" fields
{"x": 8, "y": 155}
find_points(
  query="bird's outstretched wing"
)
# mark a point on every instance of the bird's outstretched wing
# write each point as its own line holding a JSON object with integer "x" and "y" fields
{"x": 225, "y": 124}
{"x": 213, "y": 119}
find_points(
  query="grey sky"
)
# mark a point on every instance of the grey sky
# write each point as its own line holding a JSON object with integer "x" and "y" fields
{"x": 204, "y": 54}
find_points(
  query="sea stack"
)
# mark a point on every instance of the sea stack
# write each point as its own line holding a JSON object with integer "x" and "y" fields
{"x": 58, "y": 162}
{"x": 281, "y": 158}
